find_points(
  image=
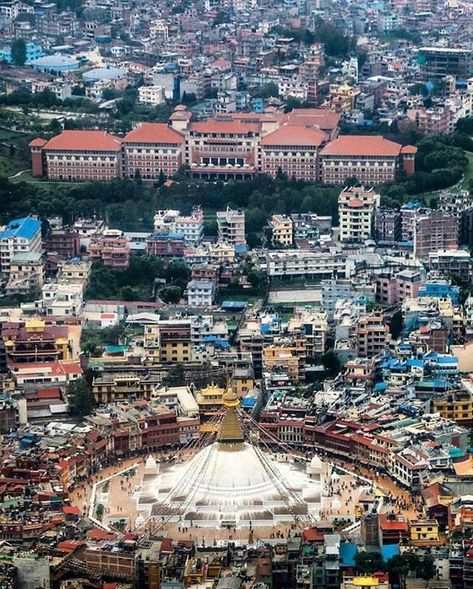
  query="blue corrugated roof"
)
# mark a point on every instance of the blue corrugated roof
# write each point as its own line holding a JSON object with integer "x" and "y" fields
{"x": 234, "y": 304}
{"x": 248, "y": 402}
{"x": 388, "y": 551}
{"x": 25, "y": 228}
{"x": 347, "y": 554}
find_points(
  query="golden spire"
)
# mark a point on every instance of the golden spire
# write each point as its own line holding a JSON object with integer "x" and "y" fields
{"x": 230, "y": 430}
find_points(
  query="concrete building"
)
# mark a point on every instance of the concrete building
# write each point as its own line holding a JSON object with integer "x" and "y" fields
{"x": 387, "y": 226}
{"x": 190, "y": 226}
{"x": 200, "y": 293}
{"x": 372, "y": 335}
{"x": 438, "y": 62}
{"x": 231, "y": 226}
{"x": 356, "y": 208}
{"x": 111, "y": 248}
{"x": 392, "y": 289}
{"x": 151, "y": 95}
{"x": 452, "y": 263}
{"x": 435, "y": 231}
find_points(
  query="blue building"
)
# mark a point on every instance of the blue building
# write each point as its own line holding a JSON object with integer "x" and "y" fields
{"x": 441, "y": 289}
{"x": 33, "y": 52}
{"x": 56, "y": 64}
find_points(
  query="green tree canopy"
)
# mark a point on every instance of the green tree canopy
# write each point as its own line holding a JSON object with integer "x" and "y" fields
{"x": 18, "y": 52}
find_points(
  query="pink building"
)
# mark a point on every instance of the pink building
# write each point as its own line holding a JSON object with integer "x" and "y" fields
{"x": 391, "y": 290}
{"x": 111, "y": 248}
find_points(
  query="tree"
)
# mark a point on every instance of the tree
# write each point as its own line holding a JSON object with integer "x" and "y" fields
{"x": 170, "y": 294}
{"x": 18, "y": 52}
{"x": 176, "y": 376}
{"x": 396, "y": 324}
{"x": 99, "y": 511}
{"x": 81, "y": 400}
{"x": 331, "y": 362}
{"x": 368, "y": 562}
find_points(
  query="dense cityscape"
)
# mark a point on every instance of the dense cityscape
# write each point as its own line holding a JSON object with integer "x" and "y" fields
{"x": 236, "y": 294}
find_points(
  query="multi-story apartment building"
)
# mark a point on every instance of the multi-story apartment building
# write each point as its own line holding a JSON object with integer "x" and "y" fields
{"x": 154, "y": 150}
{"x": 372, "y": 160}
{"x": 62, "y": 242}
{"x": 452, "y": 263}
{"x": 356, "y": 207}
{"x": 387, "y": 226}
{"x": 316, "y": 265}
{"x": 435, "y": 231}
{"x": 231, "y": 226}
{"x": 282, "y": 230}
{"x": 111, "y": 248}
{"x": 371, "y": 335}
{"x": 392, "y": 289}
{"x": 152, "y": 95}
{"x": 167, "y": 244}
{"x": 78, "y": 155}
{"x": 20, "y": 236}
{"x": 438, "y": 62}
{"x": 200, "y": 293}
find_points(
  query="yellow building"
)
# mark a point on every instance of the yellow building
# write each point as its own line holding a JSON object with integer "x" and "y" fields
{"x": 457, "y": 406}
{"x": 282, "y": 230}
{"x": 175, "y": 341}
{"x": 365, "y": 582}
{"x": 209, "y": 400}
{"x": 242, "y": 382}
{"x": 424, "y": 531}
{"x": 343, "y": 97}
{"x": 290, "y": 355}
{"x": 113, "y": 387}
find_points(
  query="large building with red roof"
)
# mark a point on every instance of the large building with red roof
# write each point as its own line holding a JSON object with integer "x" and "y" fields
{"x": 154, "y": 149}
{"x": 304, "y": 144}
{"x": 78, "y": 155}
{"x": 371, "y": 159}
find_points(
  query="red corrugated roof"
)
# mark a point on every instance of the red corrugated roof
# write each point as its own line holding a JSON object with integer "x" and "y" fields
{"x": 153, "y": 133}
{"x": 84, "y": 141}
{"x": 289, "y": 135}
{"x": 71, "y": 510}
{"x": 392, "y": 525}
{"x": 362, "y": 145}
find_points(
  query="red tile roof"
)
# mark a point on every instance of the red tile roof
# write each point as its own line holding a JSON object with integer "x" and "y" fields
{"x": 84, "y": 141}
{"x": 98, "y": 534}
{"x": 362, "y": 145}
{"x": 409, "y": 149}
{"x": 38, "y": 142}
{"x": 69, "y": 545}
{"x": 289, "y": 135}
{"x": 153, "y": 133}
